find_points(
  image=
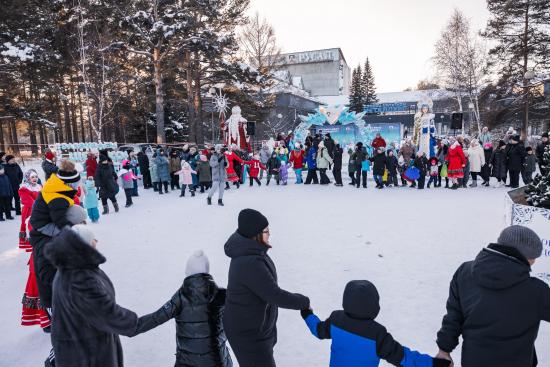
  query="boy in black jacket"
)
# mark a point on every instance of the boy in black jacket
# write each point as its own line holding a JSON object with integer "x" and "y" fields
{"x": 357, "y": 339}
{"x": 421, "y": 162}
{"x": 391, "y": 164}
{"x": 197, "y": 308}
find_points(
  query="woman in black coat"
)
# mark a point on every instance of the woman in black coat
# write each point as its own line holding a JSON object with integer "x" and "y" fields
{"x": 143, "y": 162}
{"x": 87, "y": 321}
{"x": 253, "y": 295}
{"x": 515, "y": 157}
{"x": 105, "y": 180}
{"x": 498, "y": 163}
{"x": 337, "y": 168}
{"x": 198, "y": 309}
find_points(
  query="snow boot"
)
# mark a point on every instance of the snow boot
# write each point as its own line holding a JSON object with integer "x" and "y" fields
{"x": 192, "y": 193}
{"x": 454, "y": 187}
{"x": 116, "y": 207}
{"x": 128, "y": 205}
{"x": 473, "y": 184}
{"x": 220, "y": 202}
{"x": 105, "y": 209}
{"x": 209, "y": 200}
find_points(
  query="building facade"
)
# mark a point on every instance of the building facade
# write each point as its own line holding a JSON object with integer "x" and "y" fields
{"x": 321, "y": 72}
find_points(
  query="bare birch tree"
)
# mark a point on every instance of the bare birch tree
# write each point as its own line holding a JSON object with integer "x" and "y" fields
{"x": 259, "y": 44}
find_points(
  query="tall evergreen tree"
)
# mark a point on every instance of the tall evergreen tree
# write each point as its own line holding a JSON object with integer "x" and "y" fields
{"x": 369, "y": 88}
{"x": 520, "y": 29}
{"x": 357, "y": 96}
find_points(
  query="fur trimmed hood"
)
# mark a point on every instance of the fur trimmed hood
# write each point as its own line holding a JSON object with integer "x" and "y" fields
{"x": 69, "y": 251}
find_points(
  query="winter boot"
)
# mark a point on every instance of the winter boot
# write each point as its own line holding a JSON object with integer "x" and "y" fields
{"x": 160, "y": 191}
{"x": 454, "y": 187}
{"x": 116, "y": 207}
{"x": 473, "y": 184}
{"x": 105, "y": 209}
{"x": 209, "y": 200}
{"x": 128, "y": 205}
{"x": 220, "y": 202}
{"x": 267, "y": 183}
{"x": 192, "y": 193}
{"x": 2, "y": 218}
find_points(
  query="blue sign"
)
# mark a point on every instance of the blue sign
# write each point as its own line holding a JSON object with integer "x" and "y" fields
{"x": 409, "y": 107}
{"x": 349, "y": 135}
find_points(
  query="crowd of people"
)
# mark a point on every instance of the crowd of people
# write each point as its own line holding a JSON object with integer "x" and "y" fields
{"x": 85, "y": 325}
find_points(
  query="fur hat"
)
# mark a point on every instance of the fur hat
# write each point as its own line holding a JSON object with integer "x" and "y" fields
{"x": 67, "y": 172}
{"x": 84, "y": 232}
{"x": 197, "y": 264}
{"x": 76, "y": 214}
{"x": 9, "y": 157}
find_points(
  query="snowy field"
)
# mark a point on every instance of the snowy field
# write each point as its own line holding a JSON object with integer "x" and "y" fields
{"x": 408, "y": 242}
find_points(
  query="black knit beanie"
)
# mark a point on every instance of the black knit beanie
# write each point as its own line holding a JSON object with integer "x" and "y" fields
{"x": 251, "y": 223}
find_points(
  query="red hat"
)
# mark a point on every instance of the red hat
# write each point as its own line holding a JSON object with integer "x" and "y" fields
{"x": 50, "y": 155}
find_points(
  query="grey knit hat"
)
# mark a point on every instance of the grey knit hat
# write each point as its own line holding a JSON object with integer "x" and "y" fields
{"x": 76, "y": 214}
{"x": 523, "y": 239}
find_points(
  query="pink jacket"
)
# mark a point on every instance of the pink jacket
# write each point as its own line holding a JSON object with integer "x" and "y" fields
{"x": 186, "y": 177}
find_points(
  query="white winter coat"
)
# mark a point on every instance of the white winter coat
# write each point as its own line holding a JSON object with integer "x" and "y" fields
{"x": 477, "y": 158}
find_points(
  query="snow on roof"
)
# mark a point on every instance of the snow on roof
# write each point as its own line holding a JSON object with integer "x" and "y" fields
{"x": 393, "y": 97}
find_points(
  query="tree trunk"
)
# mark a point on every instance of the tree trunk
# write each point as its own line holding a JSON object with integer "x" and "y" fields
{"x": 159, "y": 100}
{"x": 81, "y": 116}
{"x": 197, "y": 104}
{"x": 2, "y": 142}
{"x": 15, "y": 142}
{"x": 59, "y": 130}
{"x": 67, "y": 117}
{"x": 42, "y": 139}
{"x": 192, "y": 128}
{"x": 525, "y": 81}
{"x": 32, "y": 138}
{"x": 73, "y": 111}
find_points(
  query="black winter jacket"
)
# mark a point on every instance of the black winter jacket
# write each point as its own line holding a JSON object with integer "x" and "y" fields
{"x": 87, "y": 321}
{"x": 337, "y": 157}
{"x": 497, "y": 307}
{"x": 498, "y": 161}
{"x": 14, "y": 173}
{"x": 391, "y": 164}
{"x": 143, "y": 161}
{"x": 379, "y": 164}
{"x": 253, "y": 296}
{"x": 515, "y": 157}
{"x": 50, "y": 207}
{"x": 358, "y": 157}
{"x": 198, "y": 309}
{"x": 105, "y": 179}
{"x": 49, "y": 168}
{"x": 422, "y": 164}
{"x": 273, "y": 165}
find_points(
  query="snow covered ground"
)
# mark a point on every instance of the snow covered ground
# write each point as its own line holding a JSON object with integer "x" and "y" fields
{"x": 408, "y": 242}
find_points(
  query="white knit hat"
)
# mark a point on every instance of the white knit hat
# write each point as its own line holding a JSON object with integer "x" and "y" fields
{"x": 84, "y": 232}
{"x": 197, "y": 264}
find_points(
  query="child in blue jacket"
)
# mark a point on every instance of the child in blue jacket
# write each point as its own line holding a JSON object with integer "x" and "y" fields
{"x": 357, "y": 339}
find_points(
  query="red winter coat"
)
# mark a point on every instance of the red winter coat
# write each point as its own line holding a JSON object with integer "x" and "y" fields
{"x": 231, "y": 158}
{"x": 91, "y": 166}
{"x": 27, "y": 200}
{"x": 378, "y": 142}
{"x": 456, "y": 160}
{"x": 255, "y": 166}
{"x": 297, "y": 158}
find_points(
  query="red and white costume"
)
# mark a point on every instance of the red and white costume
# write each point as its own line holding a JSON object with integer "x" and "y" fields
{"x": 231, "y": 157}
{"x": 32, "y": 313}
{"x": 457, "y": 161}
{"x": 235, "y": 130}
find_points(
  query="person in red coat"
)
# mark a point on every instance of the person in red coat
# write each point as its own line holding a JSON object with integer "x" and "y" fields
{"x": 378, "y": 142}
{"x": 297, "y": 158}
{"x": 28, "y": 192}
{"x": 91, "y": 165}
{"x": 457, "y": 162}
{"x": 231, "y": 157}
{"x": 254, "y": 171}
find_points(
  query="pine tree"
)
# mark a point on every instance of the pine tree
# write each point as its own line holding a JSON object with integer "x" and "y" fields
{"x": 357, "y": 96}
{"x": 538, "y": 192}
{"x": 369, "y": 88}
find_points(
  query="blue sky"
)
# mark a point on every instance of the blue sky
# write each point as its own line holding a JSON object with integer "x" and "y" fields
{"x": 398, "y": 36}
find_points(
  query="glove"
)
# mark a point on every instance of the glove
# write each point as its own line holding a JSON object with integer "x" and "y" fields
{"x": 438, "y": 362}
{"x": 307, "y": 312}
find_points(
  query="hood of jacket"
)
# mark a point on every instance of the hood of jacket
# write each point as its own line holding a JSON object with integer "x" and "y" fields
{"x": 200, "y": 288}
{"x": 361, "y": 300}
{"x": 500, "y": 267}
{"x": 69, "y": 251}
{"x": 56, "y": 188}
{"x": 237, "y": 245}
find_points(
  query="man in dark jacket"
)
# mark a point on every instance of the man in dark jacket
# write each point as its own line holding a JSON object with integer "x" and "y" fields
{"x": 253, "y": 295}
{"x": 15, "y": 174}
{"x": 392, "y": 165}
{"x": 496, "y": 305}
{"x": 379, "y": 167}
{"x": 545, "y": 143}
{"x": 87, "y": 321}
{"x": 359, "y": 156}
{"x": 515, "y": 158}
{"x": 143, "y": 162}
{"x": 329, "y": 144}
{"x": 105, "y": 180}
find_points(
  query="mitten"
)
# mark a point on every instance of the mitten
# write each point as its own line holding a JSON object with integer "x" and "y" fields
{"x": 305, "y": 313}
{"x": 438, "y": 362}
